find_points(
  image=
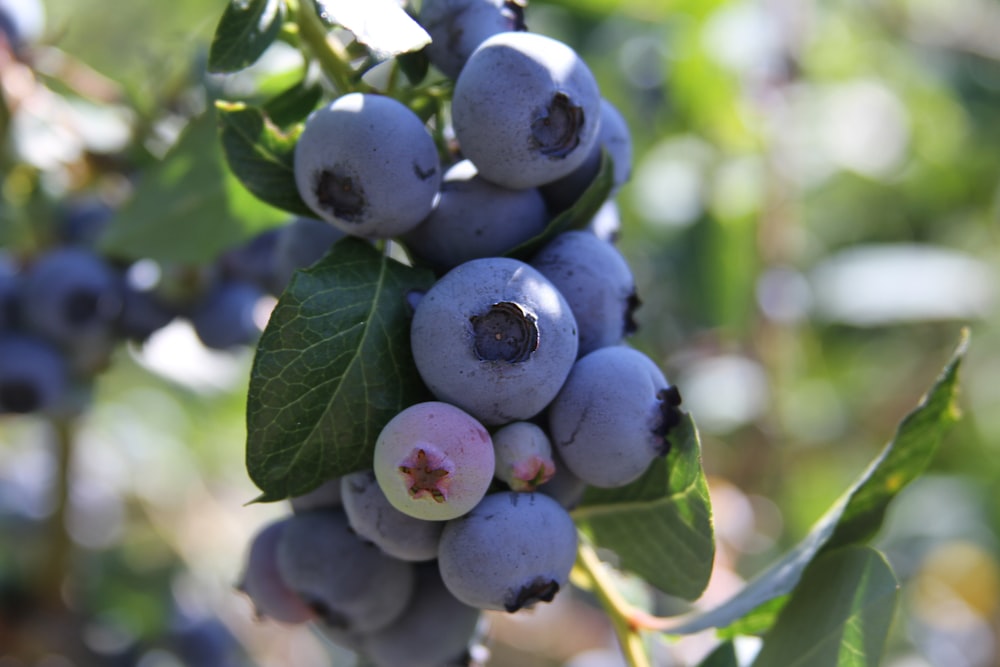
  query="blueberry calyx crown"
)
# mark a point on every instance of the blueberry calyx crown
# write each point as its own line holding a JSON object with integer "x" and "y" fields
{"x": 339, "y": 194}
{"x": 670, "y": 415}
{"x": 506, "y": 332}
{"x": 556, "y": 130}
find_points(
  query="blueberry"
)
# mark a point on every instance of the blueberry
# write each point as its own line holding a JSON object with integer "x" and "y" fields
{"x": 526, "y": 109}
{"x": 21, "y": 21}
{"x": 523, "y": 455}
{"x": 71, "y": 297}
{"x": 253, "y": 262}
{"x": 143, "y": 313}
{"x": 597, "y": 283}
{"x": 373, "y": 518}
{"x": 475, "y": 218}
{"x": 347, "y": 581}
{"x": 457, "y": 27}
{"x": 301, "y": 243}
{"x": 494, "y": 337}
{"x": 33, "y": 374}
{"x": 433, "y": 461}
{"x": 433, "y": 630}
{"x": 325, "y": 496}
{"x": 613, "y": 137}
{"x": 83, "y": 220}
{"x": 510, "y": 552}
{"x": 262, "y": 582}
{"x": 366, "y": 164}
{"x": 226, "y": 316}
{"x": 611, "y": 419}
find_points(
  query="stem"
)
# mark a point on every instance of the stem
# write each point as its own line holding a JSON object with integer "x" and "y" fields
{"x": 57, "y": 557}
{"x": 332, "y": 58}
{"x": 621, "y": 613}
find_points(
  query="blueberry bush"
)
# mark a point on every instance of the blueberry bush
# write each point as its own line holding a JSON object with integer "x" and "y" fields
{"x": 511, "y": 327}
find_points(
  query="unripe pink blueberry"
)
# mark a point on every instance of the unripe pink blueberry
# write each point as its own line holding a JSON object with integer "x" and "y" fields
{"x": 434, "y": 461}
{"x": 523, "y": 456}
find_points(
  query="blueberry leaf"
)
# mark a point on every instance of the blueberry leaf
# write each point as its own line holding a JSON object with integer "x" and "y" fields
{"x": 853, "y": 519}
{"x": 839, "y": 614}
{"x": 576, "y": 216}
{"x": 261, "y": 155}
{"x": 244, "y": 32}
{"x": 381, "y": 25}
{"x": 187, "y": 207}
{"x": 660, "y": 525}
{"x": 332, "y": 367}
{"x": 293, "y": 105}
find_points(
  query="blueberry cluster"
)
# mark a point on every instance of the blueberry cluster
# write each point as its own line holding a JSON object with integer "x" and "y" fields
{"x": 535, "y": 395}
{"x": 63, "y": 309}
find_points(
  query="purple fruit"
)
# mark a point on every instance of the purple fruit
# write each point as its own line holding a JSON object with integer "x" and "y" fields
{"x": 325, "y": 496}
{"x": 597, "y": 283}
{"x": 434, "y": 461}
{"x": 366, "y": 164}
{"x": 457, "y": 27}
{"x": 510, "y": 552}
{"x": 433, "y": 630}
{"x": 475, "y": 218}
{"x": 526, "y": 109}
{"x": 611, "y": 418}
{"x": 347, "y": 581}
{"x": 263, "y": 584}
{"x": 494, "y": 337}
{"x": 373, "y": 518}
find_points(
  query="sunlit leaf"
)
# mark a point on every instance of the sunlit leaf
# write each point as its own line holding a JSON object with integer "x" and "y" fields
{"x": 332, "y": 367}
{"x": 660, "y": 526}
{"x": 245, "y": 31}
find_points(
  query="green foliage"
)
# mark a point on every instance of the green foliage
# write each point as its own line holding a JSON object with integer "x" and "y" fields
{"x": 244, "y": 33}
{"x": 188, "y": 207}
{"x": 332, "y": 368}
{"x": 838, "y": 616}
{"x": 661, "y": 524}
{"x": 854, "y": 518}
{"x": 261, "y": 156}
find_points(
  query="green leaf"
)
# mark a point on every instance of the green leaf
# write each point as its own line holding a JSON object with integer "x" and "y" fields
{"x": 576, "y": 216}
{"x": 838, "y": 616}
{"x": 245, "y": 31}
{"x": 261, "y": 156}
{"x": 415, "y": 65}
{"x": 855, "y": 516}
{"x": 293, "y": 105}
{"x": 723, "y": 656}
{"x": 187, "y": 207}
{"x": 660, "y": 525}
{"x": 381, "y": 25}
{"x": 332, "y": 367}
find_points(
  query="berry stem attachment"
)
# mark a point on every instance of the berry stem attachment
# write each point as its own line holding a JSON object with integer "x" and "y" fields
{"x": 332, "y": 58}
{"x": 622, "y": 614}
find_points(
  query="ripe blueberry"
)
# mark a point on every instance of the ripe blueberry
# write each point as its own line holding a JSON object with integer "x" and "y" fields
{"x": 457, "y": 27}
{"x": 475, "y": 218}
{"x": 526, "y": 109}
{"x": 611, "y": 419}
{"x": 597, "y": 283}
{"x": 510, "y": 552}
{"x": 347, "y": 581}
{"x": 373, "y": 518}
{"x": 494, "y": 337}
{"x": 366, "y": 164}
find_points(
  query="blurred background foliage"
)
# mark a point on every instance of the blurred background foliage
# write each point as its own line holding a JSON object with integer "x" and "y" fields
{"x": 812, "y": 217}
